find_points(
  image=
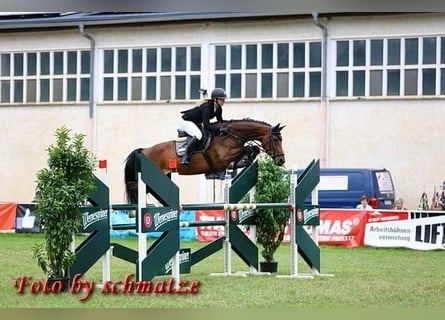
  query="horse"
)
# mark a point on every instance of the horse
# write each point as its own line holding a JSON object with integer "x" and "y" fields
{"x": 217, "y": 153}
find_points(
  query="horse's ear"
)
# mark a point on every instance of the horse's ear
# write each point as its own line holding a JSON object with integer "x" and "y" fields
{"x": 277, "y": 128}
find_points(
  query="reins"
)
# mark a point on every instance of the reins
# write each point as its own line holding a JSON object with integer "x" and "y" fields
{"x": 269, "y": 142}
{"x": 254, "y": 142}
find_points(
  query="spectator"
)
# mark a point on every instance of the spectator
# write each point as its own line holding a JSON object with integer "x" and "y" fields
{"x": 364, "y": 205}
{"x": 440, "y": 198}
{"x": 398, "y": 204}
{"x": 423, "y": 203}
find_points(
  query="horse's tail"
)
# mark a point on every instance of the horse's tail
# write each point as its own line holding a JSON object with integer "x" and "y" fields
{"x": 131, "y": 190}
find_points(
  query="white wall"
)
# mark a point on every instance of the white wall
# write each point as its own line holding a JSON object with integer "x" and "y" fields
{"x": 404, "y": 136}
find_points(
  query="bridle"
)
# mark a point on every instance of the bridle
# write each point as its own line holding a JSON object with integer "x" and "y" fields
{"x": 262, "y": 147}
{"x": 270, "y": 142}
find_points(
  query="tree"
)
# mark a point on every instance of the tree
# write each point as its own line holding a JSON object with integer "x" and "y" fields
{"x": 61, "y": 190}
{"x": 272, "y": 187}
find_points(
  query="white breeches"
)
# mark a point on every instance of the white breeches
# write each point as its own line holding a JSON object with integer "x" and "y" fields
{"x": 191, "y": 128}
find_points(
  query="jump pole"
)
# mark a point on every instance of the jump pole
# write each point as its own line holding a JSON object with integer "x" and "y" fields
{"x": 252, "y": 231}
{"x": 314, "y": 236}
{"x": 293, "y": 244}
{"x": 300, "y": 188}
{"x": 176, "y": 273}
{"x": 227, "y": 222}
{"x": 227, "y": 246}
{"x": 314, "y": 231}
{"x": 142, "y": 237}
{"x": 102, "y": 174}
{"x": 227, "y": 207}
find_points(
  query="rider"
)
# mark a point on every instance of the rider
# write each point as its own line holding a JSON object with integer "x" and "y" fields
{"x": 201, "y": 115}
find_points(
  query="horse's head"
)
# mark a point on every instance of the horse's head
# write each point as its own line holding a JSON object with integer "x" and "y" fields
{"x": 269, "y": 137}
{"x": 273, "y": 145}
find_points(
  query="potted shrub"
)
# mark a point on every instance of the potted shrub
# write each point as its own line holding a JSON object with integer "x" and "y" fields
{"x": 62, "y": 188}
{"x": 272, "y": 187}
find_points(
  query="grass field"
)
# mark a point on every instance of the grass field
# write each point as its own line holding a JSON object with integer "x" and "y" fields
{"x": 362, "y": 278}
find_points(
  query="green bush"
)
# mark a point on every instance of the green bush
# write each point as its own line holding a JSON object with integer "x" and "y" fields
{"x": 61, "y": 190}
{"x": 272, "y": 187}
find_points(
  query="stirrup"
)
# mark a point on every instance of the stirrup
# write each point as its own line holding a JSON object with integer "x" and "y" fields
{"x": 185, "y": 161}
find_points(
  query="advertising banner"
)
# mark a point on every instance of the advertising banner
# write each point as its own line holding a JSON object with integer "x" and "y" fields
{"x": 342, "y": 227}
{"x": 356, "y": 228}
{"x": 337, "y": 227}
{"x": 209, "y": 233}
{"x": 387, "y": 215}
{"x": 7, "y": 216}
{"x": 419, "y": 234}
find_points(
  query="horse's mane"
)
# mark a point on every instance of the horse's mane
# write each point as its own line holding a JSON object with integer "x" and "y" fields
{"x": 247, "y": 120}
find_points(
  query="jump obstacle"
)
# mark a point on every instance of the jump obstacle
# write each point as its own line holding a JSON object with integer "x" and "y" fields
{"x": 164, "y": 256}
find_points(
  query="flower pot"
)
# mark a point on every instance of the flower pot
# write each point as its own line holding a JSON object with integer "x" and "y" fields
{"x": 271, "y": 266}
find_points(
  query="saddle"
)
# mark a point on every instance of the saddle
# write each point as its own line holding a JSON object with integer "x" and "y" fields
{"x": 183, "y": 140}
{"x": 250, "y": 153}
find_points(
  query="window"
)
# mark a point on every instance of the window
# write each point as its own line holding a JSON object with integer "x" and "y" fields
{"x": 152, "y": 74}
{"x": 359, "y": 52}
{"x": 299, "y": 55}
{"x": 411, "y": 51}
{"x": 269, "y": 70}
{"x": 5, "y": 65}
{"x": 393, "y": 83}
{"x": 44, "y": 76}
{"x": 136, "y": 61}
{"x": 342, "y": 53}
{"x": 390, "y": 67}
{"x": 429, "y": 50}
{"x": 283, "y": 55}
{"x": 393, "y": 51}
{"x": 428, "y": 81}
{"x": 375, "y": 82}
{"x": 251, "y": 56}
{"x": 376, "y": 52}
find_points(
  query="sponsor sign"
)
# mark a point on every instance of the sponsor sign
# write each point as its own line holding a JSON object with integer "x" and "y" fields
{"x": 160, "y": 219}
{"x": 355, "y": 228}
{"x": 184, "y": 263}
{"x": 209, "y": 233}
{"x": 342, "y": 227}
{"x": 419, "y": 234}
{"x": 93, "y": 219}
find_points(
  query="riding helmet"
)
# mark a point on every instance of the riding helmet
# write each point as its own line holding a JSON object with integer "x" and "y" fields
{"x": 218, "y": 93}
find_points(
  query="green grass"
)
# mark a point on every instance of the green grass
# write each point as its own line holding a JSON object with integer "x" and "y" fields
{"x": 362, "y": 277}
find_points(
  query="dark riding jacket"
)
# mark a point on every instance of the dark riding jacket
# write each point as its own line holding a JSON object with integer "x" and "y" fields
{"x": 202, "y": 114}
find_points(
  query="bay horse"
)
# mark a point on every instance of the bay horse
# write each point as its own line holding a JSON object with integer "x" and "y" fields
{"x": 222, "y": 150}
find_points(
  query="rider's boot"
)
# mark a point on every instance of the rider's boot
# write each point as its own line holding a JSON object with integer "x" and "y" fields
{"x": 188, "y": 151}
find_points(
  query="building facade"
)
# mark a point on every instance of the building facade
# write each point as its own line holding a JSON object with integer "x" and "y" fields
{"x": 355, "y": 90}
